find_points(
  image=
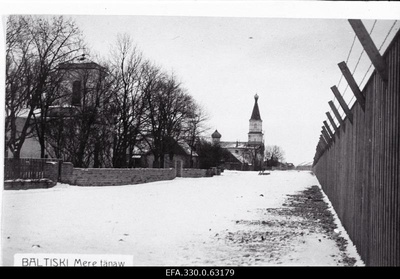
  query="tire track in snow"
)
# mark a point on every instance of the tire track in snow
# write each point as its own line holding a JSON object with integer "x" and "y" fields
{"x": 281, "y": 235}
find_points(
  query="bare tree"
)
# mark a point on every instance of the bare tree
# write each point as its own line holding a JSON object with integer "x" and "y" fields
{"x": 90, "y": 117}
{"x": 78, "y": 124}
{"x": 169, "y": 106}
{"x": 194, "y": 128}
{"x": 40, "y": 120}
{"x": 211, "y": 155}
{"x": 35, "y": 46}
{"x": 128, "y": 103}
{"x": 18, "y": 76}
{"x": 274, "y": 155}
{"x": 151, "y": 86}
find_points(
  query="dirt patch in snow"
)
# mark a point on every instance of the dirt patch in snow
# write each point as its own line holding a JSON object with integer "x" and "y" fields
{"x": 276, "y": 236}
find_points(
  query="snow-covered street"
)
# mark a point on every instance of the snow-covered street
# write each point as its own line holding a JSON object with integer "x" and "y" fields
{"x": 238, "y": 218}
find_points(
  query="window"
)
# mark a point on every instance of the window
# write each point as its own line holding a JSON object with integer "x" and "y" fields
{"x": 76, "y": 93}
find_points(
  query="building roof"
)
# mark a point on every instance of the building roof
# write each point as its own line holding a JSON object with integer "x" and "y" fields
{"x": 255, "y": 115}
{"x": 240, "y": 157}
{"x": 233, "y": 144}
{"x": 77, "y": 66}
{"x": 180, "y": 148}
{"x": 81, "y": 63}
{"x": 187, "y": 149}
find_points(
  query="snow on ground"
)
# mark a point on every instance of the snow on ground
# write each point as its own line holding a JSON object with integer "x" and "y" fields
{"x": 238, "y": 218}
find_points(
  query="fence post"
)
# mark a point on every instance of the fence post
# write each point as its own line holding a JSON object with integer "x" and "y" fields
{"x": 178, "y": 168}
{"x": 326, "y": 135}
{"x": 336, "y": 113}
{"x": 333, "y": 123}
{"x": 324, "y": 142}
{"x": 320, "y": 148}
{"x": 353, "y": 84}
{"x": 328, "y": 129}
{"x": 369, "y": 47}
{"x": 66, "y": 174}
{"x": 51, "y": 171}
{"x": 342, "y": 103}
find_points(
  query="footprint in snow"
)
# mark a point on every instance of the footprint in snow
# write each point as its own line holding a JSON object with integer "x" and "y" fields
{"x": 35, "y": 246}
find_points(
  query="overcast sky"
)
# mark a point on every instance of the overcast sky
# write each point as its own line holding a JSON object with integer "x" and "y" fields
{"x": 223, "y": 61}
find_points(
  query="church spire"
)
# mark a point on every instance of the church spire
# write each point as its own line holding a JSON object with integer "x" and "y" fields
{"x": 255, "y": 125}
{"x": 256, "y": 112}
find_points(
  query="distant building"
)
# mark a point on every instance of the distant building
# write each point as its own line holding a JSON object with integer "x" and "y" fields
{"x": 245, "y": 155}
{"x": 80, "y": 80}
{"x": 180, "y": 151}
{"x": 216, "y": 137}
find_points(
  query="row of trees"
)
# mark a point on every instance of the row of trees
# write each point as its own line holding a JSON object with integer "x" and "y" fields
{"x": 124, "y": 103}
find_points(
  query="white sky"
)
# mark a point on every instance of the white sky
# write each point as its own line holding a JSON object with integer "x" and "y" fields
{"x": 224, "y": 56}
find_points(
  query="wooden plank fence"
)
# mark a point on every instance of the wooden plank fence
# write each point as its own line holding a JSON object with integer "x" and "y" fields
{"x": 360, "y": 170}
{"x": 25, "y": 168}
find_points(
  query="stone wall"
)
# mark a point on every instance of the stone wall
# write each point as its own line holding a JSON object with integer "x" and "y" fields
{"x": 112, "y": 176}
{"x": 194, "y": 173}
{"x": 25, "y": 184}
{"x": 201, "y": 172}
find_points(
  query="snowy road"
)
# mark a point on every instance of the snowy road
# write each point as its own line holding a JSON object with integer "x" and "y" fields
{"x": 238, "y": 218}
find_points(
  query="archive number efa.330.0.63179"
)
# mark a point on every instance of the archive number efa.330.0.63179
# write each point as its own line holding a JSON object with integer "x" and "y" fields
{"x": 199, "y": 272}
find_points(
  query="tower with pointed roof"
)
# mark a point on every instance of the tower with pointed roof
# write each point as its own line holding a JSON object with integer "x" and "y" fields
{"x": 255, "y": 135}
{"x": 216, "y": 137}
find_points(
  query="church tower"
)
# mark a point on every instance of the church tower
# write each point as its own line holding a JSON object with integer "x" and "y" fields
{"x": 255, "y": 125}
{"x": 216, "y": 137}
